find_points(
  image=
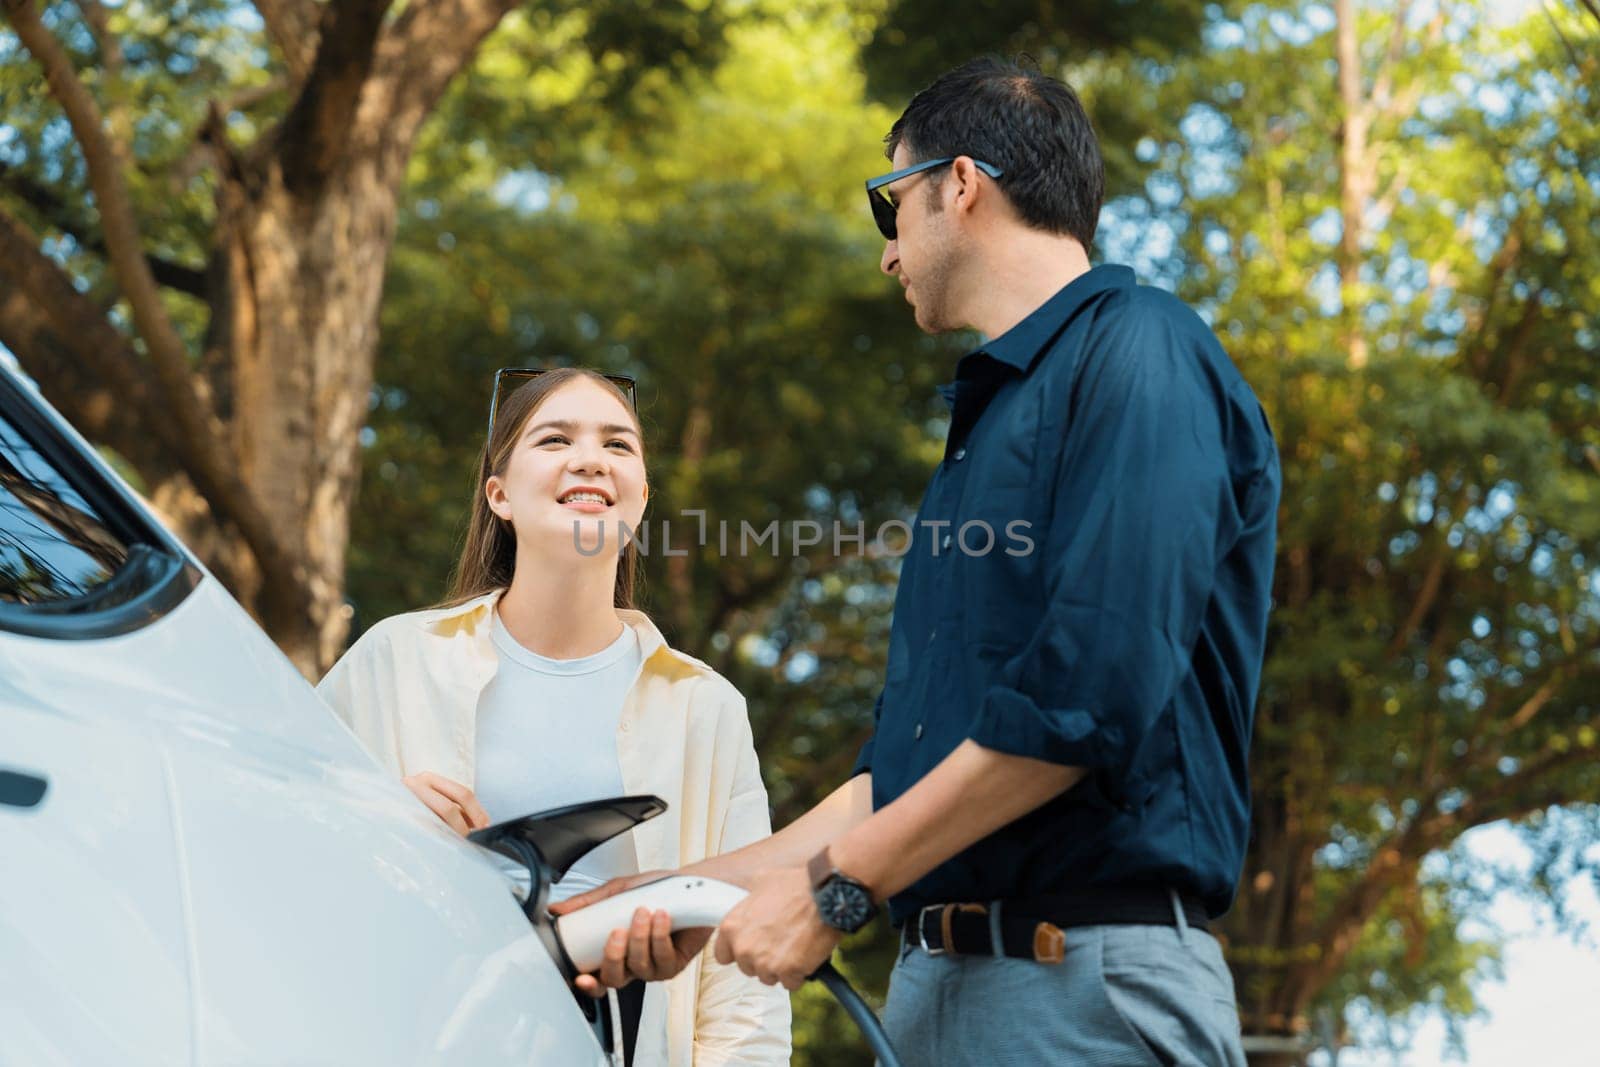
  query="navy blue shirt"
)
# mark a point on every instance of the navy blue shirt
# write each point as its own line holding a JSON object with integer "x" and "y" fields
{"x": 1087, "y": 583}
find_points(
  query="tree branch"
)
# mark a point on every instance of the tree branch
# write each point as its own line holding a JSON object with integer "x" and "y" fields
{"x": 1515, "y": 351}
{"x": 1354, "y": 173}
{"x": 77, "y": 527}
{"x": 1534, "y": 704}
{"x": 94, "y": 13}
{"x": 58, "y": 214}
{"x": 1572, "y": 53}
{"x": 1476, "y": 354}
{"x": 421, "y": 53}
{"x": 1426, "y": 598}
{"x": 1512, "y": 796}
{"x": 1337, "y": 935}
{"x": 83, "y": 365}
{"x": 202, "y": 446}
{"x": 1384, "y": 83}
{"x": 292, "y": 25}
{"x": 316, "y": 133}
{"x": 1385, "y": 207}
{"x": 1490, "y": 734}
{"x": 210, "y": 142}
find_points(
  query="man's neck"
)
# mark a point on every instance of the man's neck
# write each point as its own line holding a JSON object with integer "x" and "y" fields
{"x": 1025, "y": 269}
{"x": 561, "y": 612}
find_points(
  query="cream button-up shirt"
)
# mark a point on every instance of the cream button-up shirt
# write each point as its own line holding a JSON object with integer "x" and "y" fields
{"x": 409, "y": 688}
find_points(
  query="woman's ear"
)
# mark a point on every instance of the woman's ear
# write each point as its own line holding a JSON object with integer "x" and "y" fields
{"x": 494, "y": 491}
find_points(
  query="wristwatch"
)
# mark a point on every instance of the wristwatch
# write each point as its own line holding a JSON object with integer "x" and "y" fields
{"x": 844, "y": 903}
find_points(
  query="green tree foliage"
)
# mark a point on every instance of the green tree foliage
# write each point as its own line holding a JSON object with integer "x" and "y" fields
{"x": 1116, "y": 54}
{"x": 197, "y": 203}
{"x": 167, "y": 63}
{"x": 1433, "y": 662}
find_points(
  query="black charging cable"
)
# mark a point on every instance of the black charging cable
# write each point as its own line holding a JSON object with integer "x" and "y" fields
{"x": 862, "y": 1015}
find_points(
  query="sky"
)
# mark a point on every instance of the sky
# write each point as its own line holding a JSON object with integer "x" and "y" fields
{"x": 1543, "y": 1013}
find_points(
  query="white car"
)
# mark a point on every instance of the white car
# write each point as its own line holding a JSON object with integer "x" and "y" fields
{"x": 199, "y": 864}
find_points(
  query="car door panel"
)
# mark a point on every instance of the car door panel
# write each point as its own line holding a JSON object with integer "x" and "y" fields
{"x": 93, "y": 941}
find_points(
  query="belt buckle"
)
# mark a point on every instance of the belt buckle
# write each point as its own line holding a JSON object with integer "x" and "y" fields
{"x": 922, "y": 936}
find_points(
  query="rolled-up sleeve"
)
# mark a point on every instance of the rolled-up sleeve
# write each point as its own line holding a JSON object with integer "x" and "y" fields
{"x": 1142, "y": 509}
{"x": 864, "y": 758}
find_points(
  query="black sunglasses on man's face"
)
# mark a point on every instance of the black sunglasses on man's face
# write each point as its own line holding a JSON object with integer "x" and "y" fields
{"x": 508, "y": 380}
{"x": 884, "y": 209}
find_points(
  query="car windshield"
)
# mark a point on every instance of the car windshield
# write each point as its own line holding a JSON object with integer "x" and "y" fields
{"x": 53, "y": 546}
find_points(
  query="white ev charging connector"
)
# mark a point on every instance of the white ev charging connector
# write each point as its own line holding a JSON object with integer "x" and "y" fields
{"x": 691, "y": 902}
{"x": 545, "y": 845}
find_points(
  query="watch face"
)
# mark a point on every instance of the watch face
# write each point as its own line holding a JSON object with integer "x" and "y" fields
{"x": 844, "y": 905}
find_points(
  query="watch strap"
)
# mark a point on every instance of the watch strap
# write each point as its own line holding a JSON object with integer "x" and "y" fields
{"x": 819, "y": 868}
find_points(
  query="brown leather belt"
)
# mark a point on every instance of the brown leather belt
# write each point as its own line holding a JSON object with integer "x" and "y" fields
{"x": 1032, "y": 928}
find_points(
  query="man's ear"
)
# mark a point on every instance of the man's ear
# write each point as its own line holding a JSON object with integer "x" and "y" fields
{"x": 965, "y": 184}
{"x": 494, "y": 491}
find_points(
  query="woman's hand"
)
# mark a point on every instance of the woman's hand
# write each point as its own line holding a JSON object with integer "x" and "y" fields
{"x": 610, "y": 889}
{"x": 647, "y": 948}
{"x": 451, "y": 801}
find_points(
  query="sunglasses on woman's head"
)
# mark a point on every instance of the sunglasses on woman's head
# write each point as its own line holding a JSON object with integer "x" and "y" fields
{"x": 884, "y": 209}
{"x": 508, "y": 380}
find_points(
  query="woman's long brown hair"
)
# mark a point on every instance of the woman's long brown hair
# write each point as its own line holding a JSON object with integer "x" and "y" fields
{"x": 489, "y": 552}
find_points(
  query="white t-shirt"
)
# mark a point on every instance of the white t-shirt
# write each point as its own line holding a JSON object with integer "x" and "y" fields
{"x": 547, "y": 737}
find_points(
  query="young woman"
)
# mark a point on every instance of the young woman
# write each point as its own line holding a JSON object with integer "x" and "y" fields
{"x": 535, "y": 685}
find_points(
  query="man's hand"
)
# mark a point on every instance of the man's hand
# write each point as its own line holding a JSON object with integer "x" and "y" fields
{"x": 775, "y": 934}
{"x": 451, "y": 801}
{"x": 645, "y": 949}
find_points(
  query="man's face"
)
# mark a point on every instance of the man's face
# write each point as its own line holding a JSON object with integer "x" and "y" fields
{"x": 923, "y": 255}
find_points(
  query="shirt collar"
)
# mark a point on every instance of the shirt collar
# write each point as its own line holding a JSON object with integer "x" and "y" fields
{"x": 1019, "y": 346}
{"x": 472, "y": 616}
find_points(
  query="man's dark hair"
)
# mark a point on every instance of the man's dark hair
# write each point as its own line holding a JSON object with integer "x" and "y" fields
{"x": 1031, "y": 126}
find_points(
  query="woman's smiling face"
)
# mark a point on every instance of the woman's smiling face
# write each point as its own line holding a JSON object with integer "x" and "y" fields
{"x": 577, "y": 469}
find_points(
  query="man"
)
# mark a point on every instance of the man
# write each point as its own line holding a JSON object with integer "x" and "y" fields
{"x": 1054, "y": 801}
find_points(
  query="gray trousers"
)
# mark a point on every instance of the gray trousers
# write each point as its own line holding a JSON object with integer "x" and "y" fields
{"x": 1124, "y": 996}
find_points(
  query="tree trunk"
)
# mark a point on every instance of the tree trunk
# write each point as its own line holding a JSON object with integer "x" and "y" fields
{"x": 261, "y": 432}
{"x": 1355, "y": 172}
{"x": 303, "y": 277}
{"x": 1275, "y": 1059}
{"x": 693, "y": 444}
{"x": 1263, "y": 931}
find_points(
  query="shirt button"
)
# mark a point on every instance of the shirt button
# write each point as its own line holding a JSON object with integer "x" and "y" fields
{"x": 932, "y": 636}
{"x": 945, "y": 544}
{"x": 623, "y": 727}
{"x": 917, "y": 733}
{"x": 960, "y": 454}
